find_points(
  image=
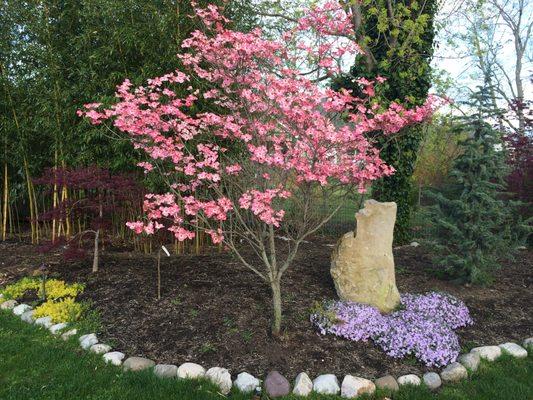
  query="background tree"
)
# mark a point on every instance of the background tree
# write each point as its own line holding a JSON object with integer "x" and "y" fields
{"x": 473, "y": 224}
{"x": 491, "y": 40}
{"x": 55, "y": 56}
{"x": 397, "y": 40}
{"x": 438, "y": 150}
{"x": 98, "y": 198}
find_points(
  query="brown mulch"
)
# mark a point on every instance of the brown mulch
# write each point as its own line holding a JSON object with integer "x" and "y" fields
{"x": 217, "y": 313}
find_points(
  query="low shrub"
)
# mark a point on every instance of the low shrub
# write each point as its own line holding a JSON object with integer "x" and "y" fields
{"x": 422, "y": 327}
{"x": 63, "y": 310}
{"x": 19, "y": 289}
{"x": 56, "y": 289}
{"x": 60, "y": 298}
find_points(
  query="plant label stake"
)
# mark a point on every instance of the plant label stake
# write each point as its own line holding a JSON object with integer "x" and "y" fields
{"x": 159, "y": 269}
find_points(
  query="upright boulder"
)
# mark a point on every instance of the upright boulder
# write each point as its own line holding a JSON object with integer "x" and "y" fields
{"x": 362, "y": 264}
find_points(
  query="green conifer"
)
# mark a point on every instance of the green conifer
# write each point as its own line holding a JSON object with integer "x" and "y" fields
{"x": 474, "y": 224}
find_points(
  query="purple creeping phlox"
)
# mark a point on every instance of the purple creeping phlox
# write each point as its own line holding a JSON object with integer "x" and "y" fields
{"x": 423, "y": 326}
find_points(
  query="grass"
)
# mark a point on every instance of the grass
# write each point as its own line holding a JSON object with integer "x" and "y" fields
{"x": 34, "y": 365}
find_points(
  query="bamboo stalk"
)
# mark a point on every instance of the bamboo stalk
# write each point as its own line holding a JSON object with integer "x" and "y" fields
{"x": 55, "y": 198}
{"x": 6, "y": 199}
{"x": 33, "y": 217}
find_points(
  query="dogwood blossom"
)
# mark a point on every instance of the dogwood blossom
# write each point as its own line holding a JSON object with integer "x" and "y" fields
{"x": 294, "y": 131}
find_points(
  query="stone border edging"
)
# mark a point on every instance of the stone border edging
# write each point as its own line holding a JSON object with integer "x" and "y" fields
{"x": 275, "y": 384}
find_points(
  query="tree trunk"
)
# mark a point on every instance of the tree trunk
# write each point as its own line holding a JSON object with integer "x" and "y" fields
{"x": 275, "y": 284}
{"x": 95, "y": 257}
{"x": 97, "y": 236}
{"x": 159, "y": 274}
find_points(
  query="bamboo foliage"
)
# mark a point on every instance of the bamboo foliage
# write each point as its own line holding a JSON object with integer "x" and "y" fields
{"x": 54, "y": 57}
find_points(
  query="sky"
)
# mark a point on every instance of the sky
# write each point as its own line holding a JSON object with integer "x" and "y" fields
{"x": 450, "y": 58}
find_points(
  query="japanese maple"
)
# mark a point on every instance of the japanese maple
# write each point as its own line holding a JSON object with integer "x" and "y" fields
{"x": 256, "y": 153}
{"x": 98, "y": 195}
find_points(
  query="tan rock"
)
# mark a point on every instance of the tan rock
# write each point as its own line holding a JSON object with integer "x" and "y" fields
{"x": 362, "y": 264}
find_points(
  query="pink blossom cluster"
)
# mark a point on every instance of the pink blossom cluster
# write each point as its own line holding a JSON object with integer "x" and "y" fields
{"x": 291, "y": 129}
{"x": 260, "y": 203}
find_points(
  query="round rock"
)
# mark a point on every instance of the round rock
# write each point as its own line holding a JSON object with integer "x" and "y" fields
{"x": 8, "y": 305}
{"x": 303, "y": 385}
{"x": 528, "y": 343}
{"x": 470, "y": 361}
{"x": 137, "y": 364}
{"x": 276, "y": 385}
{"x": 489, "y": 353}
{"x": 246, "y": 383}
{"x": 353, "y": 386}
{"x": 86, "y": 341}
{"x": 100, "y": 348}
{"x": 114, "y": 357}
{"x": 166, "y": 370}
{"x": 432, "y": 380}
{"x": 21, "y": 309}
{"x": 454, "y": 373}
{"x": 410, "y": 379}
{"x": 514, "y": 350}
{"x": 387, "y": 382}
{"x": 66, "y": 335}
{"x": 326, "y": 384}
{"x": 44, "y": 321}
{"x": 55, "y": 329}
{"x": 220, "y": 377}
{"x": 191, "y": 371}
{"x": 28, "y": 316}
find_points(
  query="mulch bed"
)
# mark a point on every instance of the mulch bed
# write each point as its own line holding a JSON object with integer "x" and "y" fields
{"x": 217, "y": 313}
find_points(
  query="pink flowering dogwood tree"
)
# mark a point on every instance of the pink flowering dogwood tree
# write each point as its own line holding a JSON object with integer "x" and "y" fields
{"x": 256, "y": 154}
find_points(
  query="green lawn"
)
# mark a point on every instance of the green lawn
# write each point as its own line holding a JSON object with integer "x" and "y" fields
{"x": 35, "y": 365}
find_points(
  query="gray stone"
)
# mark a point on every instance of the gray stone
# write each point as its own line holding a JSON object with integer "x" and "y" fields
{"x": 21, "y": 309}
{"x": 246, "y": 383}
{"x": 353, "y": 386}
{"x": 410, "y": 379}
{"x": 387, "y": 382}
{"x": 137, "y": 364}
{"x": 86, "y": 341}
{"x": 528, "y": 343}
{"x": 303, "y": 385}
{"x": 44, "y": 321}
{"x": 55, "y": 329}
{"x": 326, "y": 384}
{"x": 100, "y": 348}
{"x": 8, "y": 305}
{"x": 514, "y": 350}
{"x": 414, "y": 244}
{"x": 432, "y": 380}
{"x": 66, "y": 335}
{"x": 489, "y": 353}
{"x": 470, "y": 361}
{"x": 191, "y": 371}
{"x": 166, "y": 370}
{"x": 454, "y": 373}
{"x": 220, "y": 377}
{"x": 114, "y": 357}
{"x": 28, "y": 316}
{"x": 276, "y": 385}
